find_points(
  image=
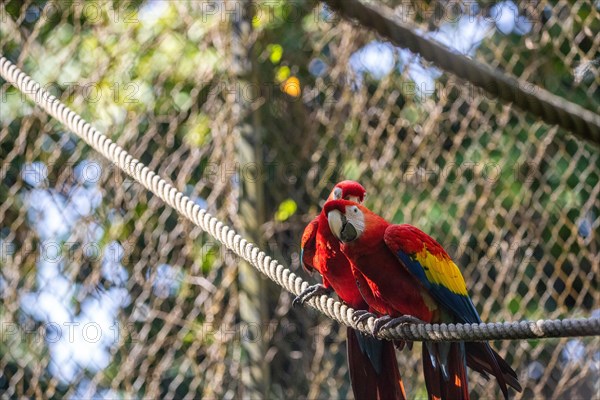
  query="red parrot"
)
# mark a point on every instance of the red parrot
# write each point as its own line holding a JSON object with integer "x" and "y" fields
{"x": 372, "y": 362}
{"x": 409, "y": 276}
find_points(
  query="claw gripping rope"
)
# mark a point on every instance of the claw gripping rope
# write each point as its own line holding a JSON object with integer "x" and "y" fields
{"x": 264, "y": 263}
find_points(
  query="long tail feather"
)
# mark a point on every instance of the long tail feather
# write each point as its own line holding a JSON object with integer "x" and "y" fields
{"x": 484, "y": 360}
{"x": 373, "y": 368}
{"x": 445, "y": 371}
{"x": 431, "y": 372}
{"x": 458, "y": 385}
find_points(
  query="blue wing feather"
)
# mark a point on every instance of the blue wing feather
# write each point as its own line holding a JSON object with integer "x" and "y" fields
{"x": 461, "y": 306}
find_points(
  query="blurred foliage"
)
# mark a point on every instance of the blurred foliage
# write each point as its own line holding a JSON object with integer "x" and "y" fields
{"x": 514, "y": 201}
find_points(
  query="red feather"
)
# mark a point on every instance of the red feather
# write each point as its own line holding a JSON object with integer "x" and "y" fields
{"x": 321, "y": 252}
{"x": 416, "y": 240}
{"x": 367, "y": 383}
{"x": 309, "y": 244}
{"x": 395, "y": 288}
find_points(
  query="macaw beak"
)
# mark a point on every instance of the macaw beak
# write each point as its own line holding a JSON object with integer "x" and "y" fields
{"x": 340, "y": 227}
{"x": 336, "y": 222}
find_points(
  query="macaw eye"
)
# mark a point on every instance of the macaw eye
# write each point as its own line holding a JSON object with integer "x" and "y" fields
{"x": 337, "y": 193}
{"x": 355, "y": 210}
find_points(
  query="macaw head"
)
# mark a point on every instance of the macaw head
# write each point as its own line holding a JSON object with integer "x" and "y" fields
{"x": 348, "y": 190}
{"x": 346, "y": 219}
{"x": 350, "y": 221}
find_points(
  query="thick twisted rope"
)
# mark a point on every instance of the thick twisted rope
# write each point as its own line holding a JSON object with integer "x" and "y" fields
{"x": 264, "y": 263}
{"x": 548, "y": 107}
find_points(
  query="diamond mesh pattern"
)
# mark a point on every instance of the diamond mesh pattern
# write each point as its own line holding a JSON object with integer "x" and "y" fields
{"x": 106, "y": 292}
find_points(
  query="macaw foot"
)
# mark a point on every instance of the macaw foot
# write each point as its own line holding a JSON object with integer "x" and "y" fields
{"x": 362, "y": 315}
{"x": 387, "y": 322}
{"x": 310, "y": 292}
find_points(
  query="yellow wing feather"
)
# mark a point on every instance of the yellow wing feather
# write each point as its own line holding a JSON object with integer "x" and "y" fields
{"x": 442, "y": 271}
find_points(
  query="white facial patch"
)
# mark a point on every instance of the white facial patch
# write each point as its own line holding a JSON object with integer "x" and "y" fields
{"x": 337, "y": 193}
{"x": 356, "y": 217}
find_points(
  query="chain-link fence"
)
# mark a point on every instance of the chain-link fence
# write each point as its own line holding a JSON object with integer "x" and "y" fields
{"x": 255, "y": 110}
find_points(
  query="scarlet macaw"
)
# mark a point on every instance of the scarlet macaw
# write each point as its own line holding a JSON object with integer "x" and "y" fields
{"x": 372, "y": 362}
{"x": 408, "y": 275}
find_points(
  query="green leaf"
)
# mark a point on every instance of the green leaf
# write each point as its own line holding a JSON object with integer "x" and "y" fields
{"x": 282, "y": 73}
{"x": 287, "y": 208}
{"x": 276, "y": 52}
{"x": 198, "y": 131}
